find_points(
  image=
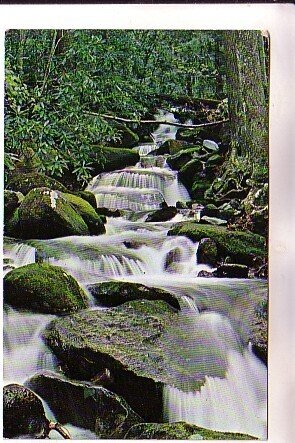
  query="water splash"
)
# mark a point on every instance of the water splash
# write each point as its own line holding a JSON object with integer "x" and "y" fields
{"x": 16, "y": 255}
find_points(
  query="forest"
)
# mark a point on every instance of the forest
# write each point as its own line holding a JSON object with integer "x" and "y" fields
{"x": 135, "y": 233}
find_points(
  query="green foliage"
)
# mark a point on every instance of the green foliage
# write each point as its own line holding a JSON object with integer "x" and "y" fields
{"x": 55, "y": 77}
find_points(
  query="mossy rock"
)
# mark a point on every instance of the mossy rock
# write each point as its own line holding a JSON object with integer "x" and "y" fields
{"x": 43, "y": 288}
{"x": 188, "y": 172}
{"x": 116, "y": 293}
{"x": 199, "y": 188}
{"x": 24, "y": 183}
{"x": 188, "y": 135}
{"x": 107, "y": 159}
{"x": 171, "y": 147}
{"x": 94, "y": 221}
{"x": 88, "y": 196}
{"x": 241, "y": 246}
{"x": 207, "y": 252}
{"x": 23, "y": 413}
{"x": 177, "y": 161}
{"x": 128, "y": 138}
{"x": 163, "y": 214}
{"x": 12, "y": 200}
{"x": 46, "y": 214}
{"x": 179, "y": 431}
{"x": 127, "y": 340}
{"x": 85, "y": 404}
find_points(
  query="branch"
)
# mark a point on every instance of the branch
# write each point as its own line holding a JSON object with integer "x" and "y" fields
{"x": 157, "y": 122}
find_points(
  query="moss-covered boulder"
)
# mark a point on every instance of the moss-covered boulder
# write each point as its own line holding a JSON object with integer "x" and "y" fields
{"x": 126, "y": 340}
{"x": 163, "y": 214}
{"x": 107, "y": 159}
{"x": 199, "y": 188}
{"x": 12, "y": 200}
{"x": 41, "y": 287}
{"x": 88, "y": 196}
{"x": 241, "y": 246}
{"x": 116, "y": 293}
{"x": 85, "y": 404}
{"x": 25, "y": 182}
{"x": 179, "y": 431}
{"x": 23, "y": 413}
{"x": 127, "y": 137}
{"x": 46, "y": 214}
{"x": 188, "y": 172}
{"x": 171, "y": 147}
{"x": 94, "y": 221}
{"x": 178, "y": 160}
{"x": 207, "y": 252}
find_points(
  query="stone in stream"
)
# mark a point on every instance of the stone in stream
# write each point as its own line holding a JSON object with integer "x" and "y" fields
{"x": 179, "y": 431}
{"x": 241, "y": 246}
{"x": 116, "y": 293}
{"x": 207, "y": 252}
{"x": 126, "y": 340}
{"x": 113, "y": 159}
{"x": 171, "y": 147}
{"x": 85, "y": 404}
{"x": 163, "y": 214}
{"x": 12, "y": 200}
{"x": 24, "y": 416}
{"x": 46, "y": 213}
{"x": 212, "y": 221}
{"x": 232, "y": 270}
{"x": 43, "y": 288}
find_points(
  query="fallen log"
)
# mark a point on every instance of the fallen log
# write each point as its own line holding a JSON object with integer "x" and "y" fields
{"x": 157, "y": 122}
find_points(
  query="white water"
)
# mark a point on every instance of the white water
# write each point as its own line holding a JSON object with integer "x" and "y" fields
{"x": 24, "y": 352}
{"x": 209, "y": 339}
{"x": 17, "y": 255}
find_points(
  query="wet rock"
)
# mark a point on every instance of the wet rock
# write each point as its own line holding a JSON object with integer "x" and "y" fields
{"x": 207, "y": 252}
{"x": 85, "y": 405}
{"x": 163, "y": 214}
{"x": 259, "y": 330}
{"x": 88, "y": 196}
{"x": 210, "y": 210}
{"x": 171, "y": 147}
{"x": 232, "y": 270}
{"x": 116, "y": 293}
{"x": 177, "y": 161}
{"x": 113, "y": 159}
{"x": 12, "y": 200}
{"x": 241, "y": 246}
{"x": 128, "y": 138}
{"x": 94, "y": 222}
{"x": 43, "y": 288}
{"x": 127, "y": 340}
{"x": 25, "y": 182}
{"x": 212, "y": 221}
{"x": 23, "y": 413}
{"x": 205, "y": 274}
{"x": 214, "y": 160}
{"x": 210, "y": 145}
{"x": 46, "y": 214}
{"x": 179, "y": 431}
{"x": 109, "y": 212}
{"x": 189, "y": 170}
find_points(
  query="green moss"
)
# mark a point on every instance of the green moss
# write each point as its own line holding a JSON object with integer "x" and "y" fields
{"x": 241, "y": 246}
{"x": 179, "y": 431}
{"x": 46, "y": 214}
{"x": 11, "y": 202}
{"x": 116, "y": 293}
{"x": 177, "y": 161}
{"x": 88, "y": 196}
{"x": 113, "y": 158}
{"x": 94, "y": 221}
{"x": 28, "y": 181}
{"x": 43, "y": 288}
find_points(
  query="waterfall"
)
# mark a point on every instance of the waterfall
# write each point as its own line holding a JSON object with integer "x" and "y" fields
{"x": 24, "y": 352}
{"x": 16, "y": 255}
{"x": 233, "y": 401}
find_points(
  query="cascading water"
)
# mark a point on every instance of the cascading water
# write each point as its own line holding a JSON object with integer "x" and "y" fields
{"x": 222, "y": 385}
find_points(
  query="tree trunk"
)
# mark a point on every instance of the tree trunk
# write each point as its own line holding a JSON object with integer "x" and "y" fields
{"x": 246, "y": 79}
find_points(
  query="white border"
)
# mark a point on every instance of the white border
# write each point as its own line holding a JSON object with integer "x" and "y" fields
{"x": 279, "y": 20}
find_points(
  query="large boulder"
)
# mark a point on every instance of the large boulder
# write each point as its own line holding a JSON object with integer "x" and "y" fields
{"x": 171, "y": 147}
{"x": 116, "y": 293}
{"x": 107, "y": 159}
{"x": 94, "y": 221}
{"x": 178, "y": 160}
{"x": 125, "y": 340}
{"x": 241, "y": 246}
{"x": 85, "y": 405}
{"x": 25, "y": 182}
{"x": 127, "y": 138}
{"x": 46, "y": 214}
{"x": 179, "y": 431}
{"x": 188, "y": 172}
{"x": 43, "y": 288}
{"x": 232, "y": 270}
{"x": 23, "y": 413}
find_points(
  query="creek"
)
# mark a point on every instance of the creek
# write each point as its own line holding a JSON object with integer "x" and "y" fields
{"x": 211, "y": 336}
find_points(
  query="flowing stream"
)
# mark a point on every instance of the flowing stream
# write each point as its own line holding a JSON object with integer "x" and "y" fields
{"x": 210, "y": 341}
